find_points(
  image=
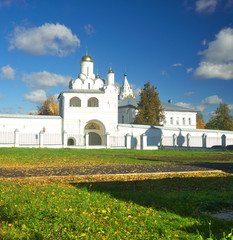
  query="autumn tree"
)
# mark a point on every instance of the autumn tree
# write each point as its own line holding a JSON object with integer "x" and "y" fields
{"x": 200, "y": 124}
{"x": 149, "y": 109}
{"x": 49, "y": 107}
{"x": 221, "y": 120}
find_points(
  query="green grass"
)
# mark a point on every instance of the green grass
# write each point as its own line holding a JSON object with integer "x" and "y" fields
{"x": 167, "y": 207}
{"x": 46, "y": 156}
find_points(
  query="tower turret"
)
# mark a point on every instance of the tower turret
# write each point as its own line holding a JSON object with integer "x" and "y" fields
{"x": 86, "y": 67}
{"x": 126, "y": 91}
{"x": 110, "y": 77}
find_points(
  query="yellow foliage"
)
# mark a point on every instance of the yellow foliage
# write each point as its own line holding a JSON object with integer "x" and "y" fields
{"x": 49, "y": 107}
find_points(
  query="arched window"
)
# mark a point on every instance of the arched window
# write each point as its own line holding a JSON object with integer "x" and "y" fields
{"x": 75, "y": 102}
{"x": 93, "y": 102}
{"x": 190, "y": 122}
{"x": 183, "y": 121}
{"x": 171, "y": 120}
{"x": 70, "y": 142}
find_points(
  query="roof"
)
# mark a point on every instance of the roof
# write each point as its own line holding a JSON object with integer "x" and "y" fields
{"x": 29, "y": 116}
{"x": 133, "y": 102}
{"x": 82, "y": 91}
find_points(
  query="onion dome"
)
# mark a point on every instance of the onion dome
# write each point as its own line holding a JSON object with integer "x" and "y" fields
{"x": 86, "y": 58}
{"x": 110, "y": 70}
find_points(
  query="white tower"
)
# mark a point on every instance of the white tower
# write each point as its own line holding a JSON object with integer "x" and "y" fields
{"x": 110, "y": 77}
{"x": 86, "y": 68}
{"x": 126, "y": 91}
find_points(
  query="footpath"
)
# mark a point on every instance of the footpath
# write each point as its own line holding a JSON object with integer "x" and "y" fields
{"x": 18, "y": 172}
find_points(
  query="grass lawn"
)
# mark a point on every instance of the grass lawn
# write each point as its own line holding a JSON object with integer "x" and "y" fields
{"x": 123, "y": 207}
{"x": 10, "y": 157}
{"x": 172, "y": 206}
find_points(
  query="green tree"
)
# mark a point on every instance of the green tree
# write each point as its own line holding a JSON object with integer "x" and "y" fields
{"x": 49, "y": 107}
{"x": 222, "y": 120}
{"x": 149, "y": 109}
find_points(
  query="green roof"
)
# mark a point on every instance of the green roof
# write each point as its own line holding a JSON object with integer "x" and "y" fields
{"x": 133, "y": 102}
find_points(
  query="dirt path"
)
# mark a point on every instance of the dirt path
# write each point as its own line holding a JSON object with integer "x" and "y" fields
{"x": 112, "y": 169}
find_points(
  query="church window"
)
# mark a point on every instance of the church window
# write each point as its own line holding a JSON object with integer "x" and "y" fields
{"x": 177, "y": 121}
{"x": 123, "y": 119}
{"x": 183, "y": 121}
{"x": 89, "y": 86}
{"x": 190, "y": 121}
{"x": 171, "y": 120}
{"x": 93, "y": 102}
{"x": 75, "y": 102}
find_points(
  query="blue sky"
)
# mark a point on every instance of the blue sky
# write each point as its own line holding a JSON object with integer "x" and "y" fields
{"x": 184, "y": 47}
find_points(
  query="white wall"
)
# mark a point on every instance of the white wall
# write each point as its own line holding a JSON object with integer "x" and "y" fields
{"x": 30, "y": 123}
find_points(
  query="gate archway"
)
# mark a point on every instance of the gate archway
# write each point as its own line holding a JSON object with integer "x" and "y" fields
{"x": 96, "y": 131}
{"x": 94, "y": 139}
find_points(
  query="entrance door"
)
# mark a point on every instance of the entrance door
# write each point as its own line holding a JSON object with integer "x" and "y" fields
{"x": 94, "y": 139}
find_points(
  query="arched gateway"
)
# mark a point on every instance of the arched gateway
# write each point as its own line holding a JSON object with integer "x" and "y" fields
{"x": 96, "y": 131}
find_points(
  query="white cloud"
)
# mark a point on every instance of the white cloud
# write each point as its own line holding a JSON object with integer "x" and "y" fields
{"x": 189, "y": 93}
{"x": 208, "y": 6}
{"x": 177, "y": 65}
{"x": 185, "y": 105}
{"x": 9, "y": 3}
{"x": 211, "y": 100}
{"x": 208, "y": 101}
{"x": 204, "y": 42}
{"x": 89, "y": 29}
{"x": 45, "y": 79}
{"x": 137, "y": 91}
{"x": 52, "y": 39}
{"x": 164, "y": 73}
{"x": 36, "y": 96}
{"x": 56, "y": 96}
{"x": 7, "y": 72}
{"x": 230, "y": 106}
{"x": 208, "y": 70}
{"x": 217, "y": 59}
{"x": 188, "y": 70}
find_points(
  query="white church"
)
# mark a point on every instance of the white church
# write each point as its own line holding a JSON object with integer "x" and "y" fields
{"x": 95, "y": 114}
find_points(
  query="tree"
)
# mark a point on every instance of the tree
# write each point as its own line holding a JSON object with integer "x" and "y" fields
{"x": 200, "y": 124}
{"x": 49, "y": 107}
{"x": 149, "y": 109}
{"x": 221, "y": 120}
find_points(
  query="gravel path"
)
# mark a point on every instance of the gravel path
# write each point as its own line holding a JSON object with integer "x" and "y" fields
{"x": 112, "y": 169}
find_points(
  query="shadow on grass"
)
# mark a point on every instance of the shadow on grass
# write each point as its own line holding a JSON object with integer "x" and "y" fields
{"x": 186, "y": 197}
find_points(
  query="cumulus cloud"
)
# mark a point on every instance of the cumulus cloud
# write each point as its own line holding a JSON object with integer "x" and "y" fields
{"x": 52, "y": 39}
{"x": 36, "y": 96}
{"x": 10, "y": 3}
{"x": 45, "y": 79}
{"x": 208, "y": 6}
{"x": 185, "y": 105}
{"x": 164, "y": 73}
{"x": 137, "y": 91}
{"x": 204, "y": 42}
{"x": 177, "y": 65}
{"x": 89, "y": 29}
{"x": 189, "y": 93}
{"x": 208, "y": 101}
{"x": 188, "y": 70}
{"x": 7, "y": 72}
{"x": 211, "y": 100}
{"x": 217, "y": 61}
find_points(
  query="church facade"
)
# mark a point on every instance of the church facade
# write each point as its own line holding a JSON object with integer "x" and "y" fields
{"x": 94, "y": 113}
